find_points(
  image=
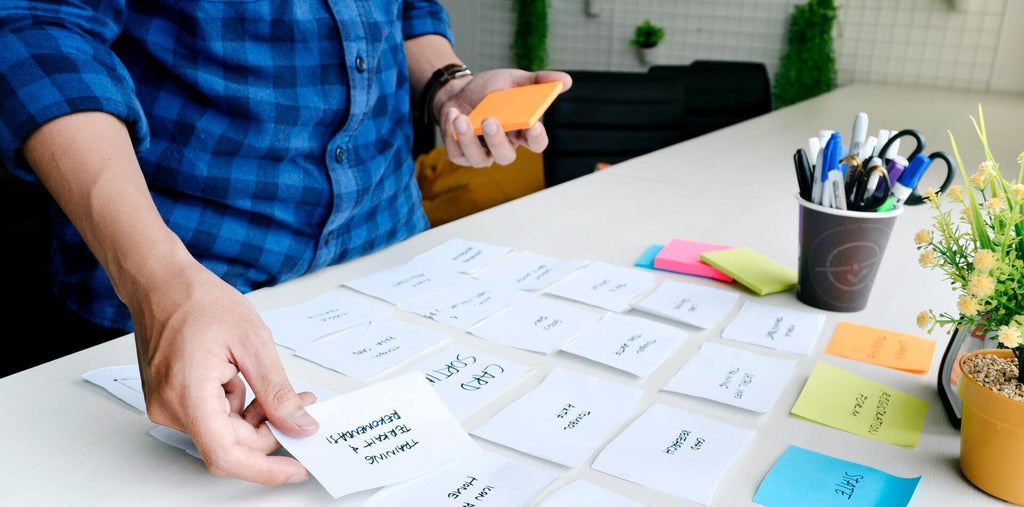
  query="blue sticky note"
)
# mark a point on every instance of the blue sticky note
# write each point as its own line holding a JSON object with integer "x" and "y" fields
{"x": 646, "y": 259}
{"x": 806, "y": 478}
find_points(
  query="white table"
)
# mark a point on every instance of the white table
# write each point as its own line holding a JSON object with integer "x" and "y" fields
{"x": 70, "y": 442}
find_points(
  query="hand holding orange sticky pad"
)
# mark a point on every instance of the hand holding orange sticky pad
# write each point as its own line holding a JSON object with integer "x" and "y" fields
{"x": 884, "y": 348}
{"x": 515, "y": 108}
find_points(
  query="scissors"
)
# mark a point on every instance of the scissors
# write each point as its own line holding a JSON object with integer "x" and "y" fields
{"x": 916, "y": 198}
{"x": 865, "y": 179}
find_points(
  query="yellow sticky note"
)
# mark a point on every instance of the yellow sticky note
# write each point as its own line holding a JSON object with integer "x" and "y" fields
{"x": 844, "y": 400}
{"x": 882, "y": 347}
{"x": 754, "y": 270}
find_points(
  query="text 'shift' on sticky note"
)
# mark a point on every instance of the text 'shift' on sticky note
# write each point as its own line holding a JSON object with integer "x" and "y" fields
{"x": 844, "y": 400}
{"x": 757, "y": 272}
{"x": 803, "y": 478}
{"x": 882, "y": 347}
{"x": 683, "y": 256}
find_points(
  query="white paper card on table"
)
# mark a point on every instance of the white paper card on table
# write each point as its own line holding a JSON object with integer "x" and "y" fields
{"x": 123, "y": 381}
{"x": 487, "y": 479}
{"x": 584, "y": 492}
{"x": 465, "y": 304}
{"x": 330, "y": 312}
{"x": 372, "y": 347}
{"x": 537, "y": 324}
{"x": 605, "y": 285}
{"x": 530, "y": 271}
{"x": 674, "y": 451}
{"x": 632, "y": 344}
{"x": 733, "y": 376}
{"x": 467, "y": 379}
{"x": 699, "y": 306}
{"x": 564, "y": 419}
{"x": 384, "y": 433}
{"x": 462, "y": 255}
{"x": 775, "y": 327}
{"x": 405, "y": 282}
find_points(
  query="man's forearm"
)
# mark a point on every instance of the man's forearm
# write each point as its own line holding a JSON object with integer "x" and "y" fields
{"x": 426, "y": 54}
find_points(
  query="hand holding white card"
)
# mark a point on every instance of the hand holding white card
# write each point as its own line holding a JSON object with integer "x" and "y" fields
{"x": 385, "y": 433}
{"x": 330, "y": 312}
{"x": 564, "y": 419}
{"x": 406, "y": 282}
{"x": 775, "y": 327}
{"x": 467, "y": 379}
{"x": 537, "y": 324}
{"x": 530, "y": 271}
{"x": 605, "y": 285}
{"x": 633, "y": 344}
{"x": 461, "y": 255}
{"x": 733, "y": 376}
{"x": 689, "y": 303}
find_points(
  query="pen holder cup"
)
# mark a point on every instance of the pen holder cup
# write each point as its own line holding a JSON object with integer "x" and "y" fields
{"x": 840, "y": 252}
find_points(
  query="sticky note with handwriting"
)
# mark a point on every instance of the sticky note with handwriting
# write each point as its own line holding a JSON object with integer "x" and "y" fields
{"x": 462, "y": 255}
{"x": 683, "y": 256}
{"x": 485, "y": 479}
{"x": 674, "y": 451}
{"x": 530, "y": 271}
{"x": 330, "y": 312}
{"x": 537, "y": 324}
{"x": 465, "y": 304}
{"x": 775, "y": 327}
{"x": 692, "y": 304}
{"x": 381, "y": 434}
{"x": 605, "y": 285}
{"x": 406, "y": 282}
{"x": 371, "y": 348}
{"x": 733, "y": 376}
{"x": 564, "y": 419}
{"x": 467, "y": 379}
{"x": 756, "y": 271}
{"x": 844, "y": 400}
{"x": 804, "y": 478}
{"x": 882, "y": 347}
{"x": 632, "y": 344}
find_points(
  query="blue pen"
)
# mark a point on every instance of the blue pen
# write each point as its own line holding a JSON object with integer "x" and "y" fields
{"x": 909, "y": 179}
{"x": 829, "y": 162}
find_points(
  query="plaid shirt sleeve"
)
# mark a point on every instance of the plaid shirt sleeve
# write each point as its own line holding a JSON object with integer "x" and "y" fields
{"x": 423, "y": 17}
{"x": 56, "y": 60}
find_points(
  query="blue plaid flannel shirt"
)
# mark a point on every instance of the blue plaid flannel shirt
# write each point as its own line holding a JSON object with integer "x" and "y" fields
{"x": 275, "y": 135}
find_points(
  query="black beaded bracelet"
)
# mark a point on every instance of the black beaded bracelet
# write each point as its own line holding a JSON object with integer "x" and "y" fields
{"x": 437, "y": 80}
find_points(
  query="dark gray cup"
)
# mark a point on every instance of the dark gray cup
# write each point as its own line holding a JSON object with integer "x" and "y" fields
{"x": 840, "y": 252}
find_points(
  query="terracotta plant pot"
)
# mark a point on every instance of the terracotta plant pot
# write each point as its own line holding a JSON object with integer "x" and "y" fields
{"x": 991, "y": 436}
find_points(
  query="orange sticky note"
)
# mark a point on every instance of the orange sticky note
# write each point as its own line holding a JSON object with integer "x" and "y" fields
{"x": 882, "y": 347}
{"x": 515, "y": 108}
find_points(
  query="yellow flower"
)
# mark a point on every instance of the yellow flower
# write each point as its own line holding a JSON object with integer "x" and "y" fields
{"x": 967, "y": 305}
{"x": 1018, "y": 192}
{"x": 924, "y": 236}
{"x": 987, "y": 168}
{"x": 981, "y": 285}
{"x": 1009, "y": 336}
{"x": 995, "y": 204}
{"x": 930, "y": 193}
{"x": 978, "y": 180}
{"x": 1020, "y": 158}
{"x": 925, "y": 320}
{"x": 984, "y": 259}
{"x": 956, "y": 193}
{"x": 927, "y": 259}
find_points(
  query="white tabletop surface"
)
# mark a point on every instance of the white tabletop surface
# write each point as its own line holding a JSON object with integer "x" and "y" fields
{"x": 67, "y": 441}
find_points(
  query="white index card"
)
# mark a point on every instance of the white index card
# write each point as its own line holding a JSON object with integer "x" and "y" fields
{"x": 530, "y": 271}
{"x": 583, "y": 492}
{"x": 330, "y": 312}
{"x": 733, "y": 376}
{"x": 466, "y": 379}
{"x": 537, "y": 324}
{"x": 123, "y": 381}
{"x": 381, "y": 434}
{"x": 367, "y": 350}
{"x": 632, "y": 344}
{"x": 692, "y": 304}
{"x": 674, "y": 451}
{"x": 461, "y": 255}
{"x": 564, "y": 419}
{"x": 464, "y": 304}
{"x": 486, "y": 479}
{"x": 605, "y": 285}
{"x": 775, "y": 327}
{"x": 405, "y": 282}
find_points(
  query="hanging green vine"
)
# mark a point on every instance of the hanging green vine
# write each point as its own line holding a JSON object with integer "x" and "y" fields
{"x": 530, "y": 45}
{"x": 808, "y": 67}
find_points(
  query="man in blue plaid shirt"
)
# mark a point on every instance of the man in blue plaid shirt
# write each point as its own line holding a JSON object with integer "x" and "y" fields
{"x": 202, "y": 149}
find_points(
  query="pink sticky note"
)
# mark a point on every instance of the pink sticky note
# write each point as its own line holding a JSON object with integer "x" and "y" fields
{"x": 683, "y": 256}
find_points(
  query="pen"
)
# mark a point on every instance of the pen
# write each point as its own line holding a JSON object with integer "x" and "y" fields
{"x": 829, "y": 161}
{"x": 813, "y": 145}
{"x": 895, "y": 167}
{"x": 908, "y": 180}
{"x": 803, "y": 173}
{"x": 883, "y": 137}
{"x": 893, "y": 150}
{"x": 873, "y": 176}
{"x": 869, "y": 148}
{"x": 838, "y": 190}
{"x": 860, "y": 132}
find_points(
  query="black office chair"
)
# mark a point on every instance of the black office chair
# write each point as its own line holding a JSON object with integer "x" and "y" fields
{"x": 610, "y": 117}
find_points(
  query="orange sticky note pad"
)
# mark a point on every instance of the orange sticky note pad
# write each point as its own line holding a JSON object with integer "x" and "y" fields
{"x": 515, "y": 108}
{"x": 882, "y": 347}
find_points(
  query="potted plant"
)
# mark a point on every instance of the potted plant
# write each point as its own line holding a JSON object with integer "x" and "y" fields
{"x": 808, "y": 67}
{"x": 530, "y": 43}
{"x": 646, "y": 38}
{"x": 979, "y": 249}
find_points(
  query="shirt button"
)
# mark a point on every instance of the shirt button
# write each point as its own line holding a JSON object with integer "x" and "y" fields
{"x": 360, "y": 64}
{"x": 339, "y": 155}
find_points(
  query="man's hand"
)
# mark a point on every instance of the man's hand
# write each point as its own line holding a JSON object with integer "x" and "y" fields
{"x": 460, "y": 96}
{"x": 192, "y": 342}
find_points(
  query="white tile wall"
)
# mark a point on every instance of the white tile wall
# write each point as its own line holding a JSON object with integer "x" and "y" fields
{"x": 951, "y": 43}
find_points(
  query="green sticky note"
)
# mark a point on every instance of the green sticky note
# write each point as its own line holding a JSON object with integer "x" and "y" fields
{"x": 758, "y": 273}
{"x": 844, "y": 400}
